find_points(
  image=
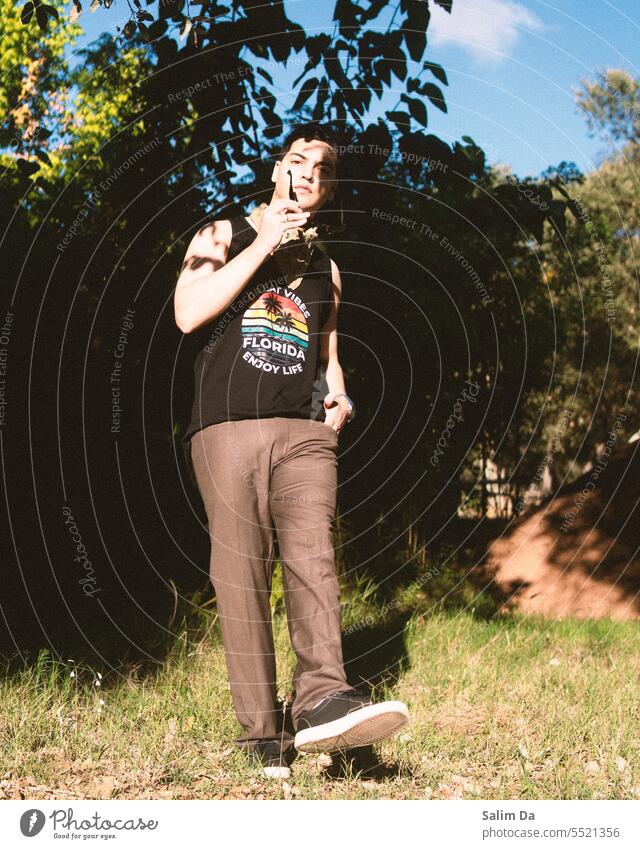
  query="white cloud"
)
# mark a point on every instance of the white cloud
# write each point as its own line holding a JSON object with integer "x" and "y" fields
{"x": 488, "y": 29}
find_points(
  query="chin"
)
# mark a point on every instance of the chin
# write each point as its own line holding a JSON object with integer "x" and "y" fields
{"x": 312, "y": 204}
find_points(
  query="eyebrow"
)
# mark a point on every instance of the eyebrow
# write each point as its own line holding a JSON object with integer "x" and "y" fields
{"x": 302, "y": 156}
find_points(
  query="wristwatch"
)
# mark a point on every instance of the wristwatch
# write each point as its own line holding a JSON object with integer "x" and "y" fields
{"x": 352, "y": 406}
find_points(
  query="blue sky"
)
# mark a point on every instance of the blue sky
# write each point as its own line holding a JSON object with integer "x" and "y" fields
{"x": 511, "y": 66}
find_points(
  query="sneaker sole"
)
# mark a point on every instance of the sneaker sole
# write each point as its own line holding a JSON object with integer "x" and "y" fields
{"x": 368, "y": 725}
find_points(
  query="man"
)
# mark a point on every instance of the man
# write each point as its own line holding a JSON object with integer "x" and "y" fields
{"x": 263, "y": 450}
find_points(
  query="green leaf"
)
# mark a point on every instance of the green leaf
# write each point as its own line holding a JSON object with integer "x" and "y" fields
{"x": 42, "y": 18}
{"x": 400, "y": 119}
{"x": 416, "y": 43}
{"x": 305, "y": 92}
{"x": 437, "y": 71}
{"x": 129, "y": 29}
{"x": 51, "y": 11}
{"x": 158, "y": 28}
{"x": 417, "y": 109}
{"x": 383, "y": 69}
{"x": 27, "y": 12}
{"x": 435, "y": 95}
{"x": 27, "y": 167}
{"x": 335, "y": 70}
{"x": 310, "y": 64}
{"x": 265, "y": 74}
{"x": 244, "y": 121}
{"x": 43, "y": 156}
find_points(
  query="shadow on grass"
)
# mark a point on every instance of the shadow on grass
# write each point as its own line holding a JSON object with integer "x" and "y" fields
{"x": 362, "y": 762}
{"x": 376, "y": 654}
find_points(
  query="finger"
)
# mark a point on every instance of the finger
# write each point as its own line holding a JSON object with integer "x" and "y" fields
{"x": 294, "y": 221}
{"x": 288, "y": 206}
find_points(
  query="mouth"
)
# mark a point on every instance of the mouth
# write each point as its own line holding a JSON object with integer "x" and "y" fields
{"x": 303, "y": 189}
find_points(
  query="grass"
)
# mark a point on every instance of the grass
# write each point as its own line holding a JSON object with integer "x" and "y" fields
{"x": 504, "y": 707}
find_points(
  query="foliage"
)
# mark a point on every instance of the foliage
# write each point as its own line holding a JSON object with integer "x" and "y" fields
{"x": 33, "y": 90}
{"x": 611, "y": 103}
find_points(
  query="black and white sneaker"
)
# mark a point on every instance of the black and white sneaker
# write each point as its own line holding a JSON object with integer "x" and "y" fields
{"x": 272, "y": 759}
{"x": 347, "y": 719}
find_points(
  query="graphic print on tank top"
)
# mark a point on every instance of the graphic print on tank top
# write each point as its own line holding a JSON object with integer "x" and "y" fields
{"x": 275, "y": 334}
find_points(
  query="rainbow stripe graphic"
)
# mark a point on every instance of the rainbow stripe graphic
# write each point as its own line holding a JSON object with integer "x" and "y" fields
{"x": 276, "y": 317}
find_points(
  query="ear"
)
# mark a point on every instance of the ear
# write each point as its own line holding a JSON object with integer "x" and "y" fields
{"x": 276, "y": 170}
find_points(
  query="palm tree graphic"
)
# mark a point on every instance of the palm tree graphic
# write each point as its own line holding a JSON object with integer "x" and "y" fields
{"x": 272, "y": 306}
{"x": 285, "y": 320}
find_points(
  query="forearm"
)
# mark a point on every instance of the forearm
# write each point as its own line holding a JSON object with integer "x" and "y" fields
{"x": 335, "y": 377}
{"x": 204, "y": 298}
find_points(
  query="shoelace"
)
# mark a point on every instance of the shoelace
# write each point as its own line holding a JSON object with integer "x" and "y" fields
{"x": 353, "y": 692}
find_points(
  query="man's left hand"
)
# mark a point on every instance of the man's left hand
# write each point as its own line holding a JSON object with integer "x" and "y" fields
{"x": 336, "y": 411}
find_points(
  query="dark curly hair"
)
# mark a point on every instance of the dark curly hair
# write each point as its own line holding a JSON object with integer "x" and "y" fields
{"x": 309, "y": 132}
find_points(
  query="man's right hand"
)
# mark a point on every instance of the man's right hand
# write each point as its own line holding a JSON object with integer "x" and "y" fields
{"x": 278, "y": 217}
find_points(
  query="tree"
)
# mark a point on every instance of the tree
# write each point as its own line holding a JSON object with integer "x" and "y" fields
{"x": 612, "y": 104}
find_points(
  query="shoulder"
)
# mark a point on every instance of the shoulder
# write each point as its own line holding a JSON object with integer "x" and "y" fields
{"x": 218, "y": 231}
{"x": 211, "y": 242}
{"x": 213, "y": 238}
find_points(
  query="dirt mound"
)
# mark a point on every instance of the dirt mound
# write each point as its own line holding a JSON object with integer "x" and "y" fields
{"x": 578, "y": 552}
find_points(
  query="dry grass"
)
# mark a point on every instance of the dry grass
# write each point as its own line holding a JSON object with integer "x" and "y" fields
{"x": 514, "y": 707}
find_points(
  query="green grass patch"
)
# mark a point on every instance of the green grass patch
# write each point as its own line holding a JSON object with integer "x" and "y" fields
{"x": 505, "y": 707}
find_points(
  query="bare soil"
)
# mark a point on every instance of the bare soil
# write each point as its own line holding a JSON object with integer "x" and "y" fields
{"x": 577, "y": 553}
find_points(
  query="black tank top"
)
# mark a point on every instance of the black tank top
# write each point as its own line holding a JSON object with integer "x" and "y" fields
{"x": 262, "y": 356}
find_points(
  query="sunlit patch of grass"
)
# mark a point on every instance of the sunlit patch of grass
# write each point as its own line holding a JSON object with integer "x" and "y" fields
{"x": 503, "y": 707}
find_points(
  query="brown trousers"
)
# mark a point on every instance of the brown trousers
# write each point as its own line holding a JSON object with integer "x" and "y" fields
{"x": 256, "y": 476}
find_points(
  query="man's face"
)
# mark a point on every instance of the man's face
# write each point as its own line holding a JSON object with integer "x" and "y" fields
{"x": 313, "y": 168}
